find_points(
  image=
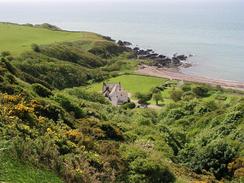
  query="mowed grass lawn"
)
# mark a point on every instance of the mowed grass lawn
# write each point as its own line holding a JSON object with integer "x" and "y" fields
{"x": 131, "y": 83}
{"x": 17, "y": 39}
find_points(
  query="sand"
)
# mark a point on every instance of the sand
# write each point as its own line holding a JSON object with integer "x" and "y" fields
{"x": 177, "y": 75}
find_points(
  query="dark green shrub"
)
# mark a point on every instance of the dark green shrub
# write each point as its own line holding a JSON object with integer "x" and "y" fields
{"x": 188, "y": 96}
{"x": 70, "y": 106}
{"x": 186, "y": 87}
{"x": 143, "y": 98}
{"x": 1, "y": 79}
{"x": 213, "y": 157}
{"x": 176, "y": 114}
{"x": 90, "y": 96}
{"x": 2, "y": 59}
{"x": 48, "y": 26}
{"x": 200, "y": 91}
{"x": 129, "y": 105}
{"x": 176, "y": 95}
{"x": 5, "y": 53}
{"x": 35, "y": 48}
{"x": 41, "y": 90}
{"x": 49, "y": 111}
{"x": 149, "y": 171}
{"x": 10, "y": 78}
{"x": 221, "y": 97}
{"x": 7, "y": 88}
{"x": 233, "y": 117}
{"x": 10, "y": 58}
{"x": 112, "y": 132}
{"x": 10, "y": 68}
{"x": 145, "y": 168}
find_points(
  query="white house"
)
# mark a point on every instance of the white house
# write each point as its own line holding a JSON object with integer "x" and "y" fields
{"x": 115, "y": 93}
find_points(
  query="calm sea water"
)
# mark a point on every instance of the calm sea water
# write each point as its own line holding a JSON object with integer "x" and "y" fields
{"x": 212, "y": 31}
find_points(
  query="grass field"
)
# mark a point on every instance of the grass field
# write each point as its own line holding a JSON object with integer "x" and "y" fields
{"x": 131, "y": 83}
{"x": 16, "y": 38}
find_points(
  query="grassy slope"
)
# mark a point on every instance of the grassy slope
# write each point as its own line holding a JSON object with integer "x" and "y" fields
{"x": 17, "y": 39}
{"x": 16, "y": 172}
{"x": 131, "y": 83}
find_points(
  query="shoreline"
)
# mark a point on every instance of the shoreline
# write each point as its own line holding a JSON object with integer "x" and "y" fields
{"x": 177, "y": 75}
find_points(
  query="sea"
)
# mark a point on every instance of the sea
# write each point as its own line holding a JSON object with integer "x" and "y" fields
{"x": 211, "y": 30}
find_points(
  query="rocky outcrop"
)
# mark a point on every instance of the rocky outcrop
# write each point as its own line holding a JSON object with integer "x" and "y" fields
{"x": 160, "y": 60}
{"x": 124, "y": 43}
{"x": 157, "y": 59}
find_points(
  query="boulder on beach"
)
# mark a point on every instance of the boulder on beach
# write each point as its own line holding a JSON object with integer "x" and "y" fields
{"x": 176, "y": 61}
{"x": 181, "y": 57}
{"x": 161, "y": 56}
{"x": 136, "y": 49}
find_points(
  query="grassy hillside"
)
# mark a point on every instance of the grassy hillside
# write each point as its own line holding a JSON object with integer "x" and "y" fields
{"x": 51, "y": 122}
{"x": 13, "y": 171}
{"x": 17, "y": 39}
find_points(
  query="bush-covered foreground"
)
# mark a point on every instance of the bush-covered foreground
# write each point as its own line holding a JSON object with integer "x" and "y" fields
{"x": 49, "y": 122}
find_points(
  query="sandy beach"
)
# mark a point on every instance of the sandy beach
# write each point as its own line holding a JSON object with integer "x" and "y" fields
{"x": 174, "y": 74}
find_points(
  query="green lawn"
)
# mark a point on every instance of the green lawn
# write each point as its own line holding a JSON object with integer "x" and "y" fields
{"x": 16, "y": 38}
{"x": 131, "y": 83}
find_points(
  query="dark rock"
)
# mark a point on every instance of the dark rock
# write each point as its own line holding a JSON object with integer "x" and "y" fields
{"x": 161, "y": 56}
{"x": 120, "y": 43}
{"x": 160, "y": 62}
{"x": 176, "y": 61}
{"x": 152, "y": 56}
{"x": 136, "y": 49}
{"x": 141, "y": 52}
{"x": 181, "y": 57}
{"x": 108, "y": 38}
{"x": 126, "y": 43}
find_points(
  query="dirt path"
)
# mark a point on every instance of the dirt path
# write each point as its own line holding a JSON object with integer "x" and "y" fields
{"x": 166, "y": 73}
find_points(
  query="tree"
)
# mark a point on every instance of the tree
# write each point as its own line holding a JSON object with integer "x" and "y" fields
{"x": 143, "y": 98}
{"x": 157, "y": 97}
